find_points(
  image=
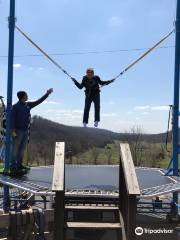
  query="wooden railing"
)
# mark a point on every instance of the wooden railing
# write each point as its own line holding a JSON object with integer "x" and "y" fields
{"x": 128, "y": 191}
{"x": 58, "y": 186}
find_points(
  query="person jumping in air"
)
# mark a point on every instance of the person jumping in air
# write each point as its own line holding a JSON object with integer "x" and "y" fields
{"x": 91, "y": 84}
{"x": 20, "y": 117}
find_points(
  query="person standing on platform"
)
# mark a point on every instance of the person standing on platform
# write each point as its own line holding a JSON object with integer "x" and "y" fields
{"x": 20, "y": 124}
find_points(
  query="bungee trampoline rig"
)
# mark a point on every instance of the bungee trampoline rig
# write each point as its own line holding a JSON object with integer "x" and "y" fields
{"x": 126, "y": 181}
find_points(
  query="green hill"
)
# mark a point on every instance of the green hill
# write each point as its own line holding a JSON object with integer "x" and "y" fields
{"x": 44, "y": 134}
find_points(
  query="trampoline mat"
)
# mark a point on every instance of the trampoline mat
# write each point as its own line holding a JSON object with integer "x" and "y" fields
{"x": 95, "y": 177}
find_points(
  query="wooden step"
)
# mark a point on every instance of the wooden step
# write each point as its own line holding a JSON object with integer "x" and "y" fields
{"x": 98, "y": 208}
{"x": 93, "y": 225}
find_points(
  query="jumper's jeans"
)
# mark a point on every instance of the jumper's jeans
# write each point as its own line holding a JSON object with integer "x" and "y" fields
{"x": 88, "y": 101}
{"x": 18, "y": 147}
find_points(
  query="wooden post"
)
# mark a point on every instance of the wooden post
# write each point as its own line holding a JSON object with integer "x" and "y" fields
{"x": 128, "y": 191}
{"x": 58, "y": 187}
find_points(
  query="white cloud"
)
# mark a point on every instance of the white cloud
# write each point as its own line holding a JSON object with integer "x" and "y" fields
{"x": 52, "y": 102}
{"x": 145, "y": 113}
{"x": 114, "y": 21}
{"x": 151, "y": 108}
{"x": 109, "y": 103}
{"x": 17, "y": 65}
{"x": 109, "y": 114}
{"x": 64, "y": 112}
{"x": 130, "y": 112}
{"x": 160, "y": 108}
{"x": 147, "y": 107}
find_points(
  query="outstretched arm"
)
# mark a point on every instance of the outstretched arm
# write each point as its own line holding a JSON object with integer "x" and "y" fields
{"x": 102, "y": 83}
{"x": 40, "y": 100}
{"x": 79, "y": 85}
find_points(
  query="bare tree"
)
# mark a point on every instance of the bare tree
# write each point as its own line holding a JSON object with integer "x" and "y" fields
{"x": 108, "y": 152}
{"x": 95, "y": 154}
{"x": 135, "y": 139}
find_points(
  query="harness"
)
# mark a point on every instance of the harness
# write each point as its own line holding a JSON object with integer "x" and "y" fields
{"x": 92, "y": 87}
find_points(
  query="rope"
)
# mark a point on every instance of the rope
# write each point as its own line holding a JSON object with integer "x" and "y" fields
{"x": 143, "y": 55}
{"x": 44, "y": 53}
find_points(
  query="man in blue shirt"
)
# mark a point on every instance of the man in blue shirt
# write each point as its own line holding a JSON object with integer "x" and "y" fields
{"x": 21, "y": 118}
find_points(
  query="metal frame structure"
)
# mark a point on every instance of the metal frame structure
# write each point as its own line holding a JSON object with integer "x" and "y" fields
{"x": 173, "y": 168}
{"x": 9, "y": 96}
{"x": 40, "y": 190}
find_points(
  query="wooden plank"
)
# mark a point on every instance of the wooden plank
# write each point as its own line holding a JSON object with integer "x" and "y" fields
{"x": 97, "y": 208}
{"x": 58, "y": 187}
{"x": 59, "y": 216}
{"x": 4, "y": 219}
{"x": 129, "y": 170}
{"x": 93, "y": 225}
{"x": 122, "y": 226}
{"x": 58, "y": 175}
{"x": 131, "y": 221}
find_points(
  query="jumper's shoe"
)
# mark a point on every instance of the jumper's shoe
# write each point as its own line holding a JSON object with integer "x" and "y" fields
{"x": 85, "y": 125}
{"x": 96, "y": 124}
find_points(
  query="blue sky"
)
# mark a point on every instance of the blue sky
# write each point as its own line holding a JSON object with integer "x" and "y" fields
{"x": 140, "y": 97}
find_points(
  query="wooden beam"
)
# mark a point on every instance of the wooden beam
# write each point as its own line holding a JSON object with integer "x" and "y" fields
{"x": 4, "y": 218}
{"x": 129, "y": 170}
{"x": 93, "y": 225}
{"x": 97, "y": 208}
{"x": 58, "y": 175}
{"x": 58, "y": 186}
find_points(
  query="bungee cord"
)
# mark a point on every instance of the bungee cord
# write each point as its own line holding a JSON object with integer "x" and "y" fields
{"x": 143, "y": 55}
{"x": 113, "y": 79}
{"x": 44, "y": 53}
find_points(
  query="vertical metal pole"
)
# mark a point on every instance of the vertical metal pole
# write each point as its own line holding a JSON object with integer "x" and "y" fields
{"x": 9, "y": 95}
{"x": 176, "y": 99}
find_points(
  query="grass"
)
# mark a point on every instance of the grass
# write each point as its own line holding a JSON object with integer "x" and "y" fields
{"x": 1, "y": 168}
{"x": 89, "y": 157}
{"x": 153, "y": 155}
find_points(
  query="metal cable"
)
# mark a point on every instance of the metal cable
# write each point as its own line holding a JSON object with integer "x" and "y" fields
{"x": 89, "y": 52}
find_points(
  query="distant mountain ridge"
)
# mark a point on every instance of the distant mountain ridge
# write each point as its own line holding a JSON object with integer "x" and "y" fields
{"x": 44, "y": 134}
